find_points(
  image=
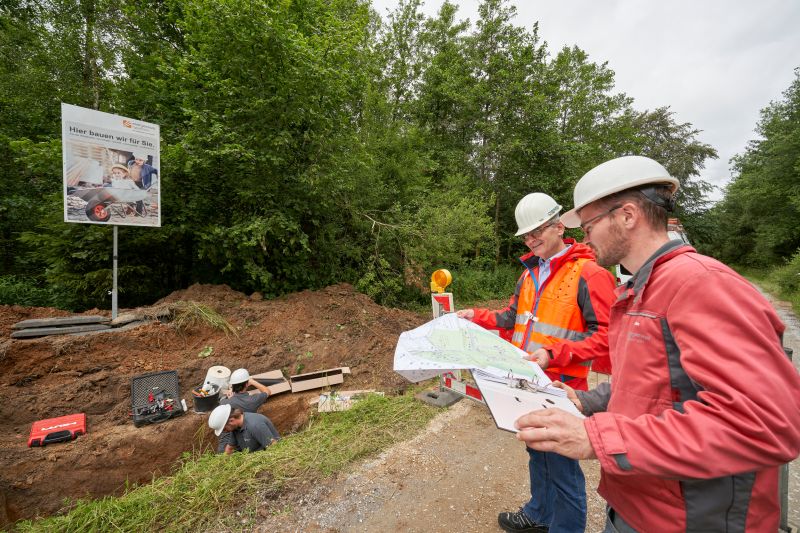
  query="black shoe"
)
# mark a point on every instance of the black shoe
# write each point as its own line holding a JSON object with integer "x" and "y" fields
{"x": 520, "y": 523}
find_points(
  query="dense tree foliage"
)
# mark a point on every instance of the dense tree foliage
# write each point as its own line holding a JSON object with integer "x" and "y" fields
{"x": 760, "y": 214}
{"x": 304, "y": 142}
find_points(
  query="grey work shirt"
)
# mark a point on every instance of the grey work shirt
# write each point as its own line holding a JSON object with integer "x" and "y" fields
{"x": 255, "y": 434}
{"x": 249, "y": 403}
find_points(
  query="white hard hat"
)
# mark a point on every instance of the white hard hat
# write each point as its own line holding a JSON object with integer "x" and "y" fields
{"x": 219, "y": 417}
{"x": 615, "y": 176}
{"x": 240, "y": 375}
{"x": 533, "y": 211}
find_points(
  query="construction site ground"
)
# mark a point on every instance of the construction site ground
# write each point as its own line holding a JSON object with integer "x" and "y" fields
{"x": 456, "y": 475}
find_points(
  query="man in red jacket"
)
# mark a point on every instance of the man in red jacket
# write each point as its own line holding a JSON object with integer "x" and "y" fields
{"x": 559, "y": 315}
{"x": 704, "y": 405}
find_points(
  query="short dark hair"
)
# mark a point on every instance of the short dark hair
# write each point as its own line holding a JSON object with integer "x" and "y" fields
{"x": 238, "y": 387}
{"x": 236, "y": 412}
{"x": 656, "y": 215}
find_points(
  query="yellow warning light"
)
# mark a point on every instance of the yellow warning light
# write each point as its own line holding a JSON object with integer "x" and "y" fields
{"x": 440, "y": 279}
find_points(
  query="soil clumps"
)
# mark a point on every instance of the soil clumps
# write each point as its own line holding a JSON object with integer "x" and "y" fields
{"x": 61, "y": 375}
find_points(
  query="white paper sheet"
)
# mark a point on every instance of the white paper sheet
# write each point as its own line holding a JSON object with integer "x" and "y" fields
{"x": 507, "y": 404}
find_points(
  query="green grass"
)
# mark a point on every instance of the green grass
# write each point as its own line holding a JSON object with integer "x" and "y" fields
{"x": 206, "y": 489}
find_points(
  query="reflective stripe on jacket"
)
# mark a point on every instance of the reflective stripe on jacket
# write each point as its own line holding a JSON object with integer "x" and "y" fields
{"x": 552, "y": 315}
{"x": 591, "y": 296}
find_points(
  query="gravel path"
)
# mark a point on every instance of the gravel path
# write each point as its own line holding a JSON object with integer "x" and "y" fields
{"x": 454, "y": 476}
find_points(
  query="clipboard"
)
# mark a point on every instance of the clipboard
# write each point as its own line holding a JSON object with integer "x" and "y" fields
{"x": 507, "y": 401}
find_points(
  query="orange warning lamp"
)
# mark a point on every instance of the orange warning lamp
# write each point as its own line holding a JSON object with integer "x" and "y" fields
{"x": 440, "y": 280}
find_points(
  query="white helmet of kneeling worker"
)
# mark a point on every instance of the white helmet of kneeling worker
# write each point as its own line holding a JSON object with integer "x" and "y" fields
{"x": 533, "y": 211}
{"x": 240, "y": 375}
{"x": 614, "y": 176}
{"x": 219, "y": 417}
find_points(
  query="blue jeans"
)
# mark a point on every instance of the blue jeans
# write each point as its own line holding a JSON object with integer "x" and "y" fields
{"x": 558, "y": 492}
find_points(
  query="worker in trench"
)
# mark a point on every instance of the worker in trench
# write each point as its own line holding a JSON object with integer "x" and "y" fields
{"x": 248, "y": 431}
{"x": 239, "y": 398}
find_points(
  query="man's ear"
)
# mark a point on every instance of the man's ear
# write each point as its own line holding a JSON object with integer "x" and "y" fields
{"x": 631, "y": 214}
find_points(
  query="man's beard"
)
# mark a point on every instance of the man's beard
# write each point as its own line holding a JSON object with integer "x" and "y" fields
{"x": 616, "y": 250}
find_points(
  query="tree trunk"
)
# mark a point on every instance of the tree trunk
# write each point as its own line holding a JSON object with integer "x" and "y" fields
{"x": 90, "y": 81}
{"x": 497, "y": 228}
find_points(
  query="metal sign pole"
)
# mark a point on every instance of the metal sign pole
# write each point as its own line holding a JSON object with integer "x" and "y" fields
{"x": 114, "y": 275}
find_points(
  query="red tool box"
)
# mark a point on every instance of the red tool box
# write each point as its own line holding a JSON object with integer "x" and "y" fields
{"x": 59, "y": 429}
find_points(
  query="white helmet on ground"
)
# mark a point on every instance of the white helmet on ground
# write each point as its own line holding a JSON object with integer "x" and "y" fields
{"x": 615, "y": 176}
{"x": 219, "y": 417}
{"x": 533, "y": 211}
{"x": 240, "y": 375}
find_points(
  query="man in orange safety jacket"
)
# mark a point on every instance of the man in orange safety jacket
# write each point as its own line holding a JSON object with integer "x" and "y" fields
{"x": 559, "y": 315}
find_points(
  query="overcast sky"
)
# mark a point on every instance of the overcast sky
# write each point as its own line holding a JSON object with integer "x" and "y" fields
{"x": 716, "y": 63}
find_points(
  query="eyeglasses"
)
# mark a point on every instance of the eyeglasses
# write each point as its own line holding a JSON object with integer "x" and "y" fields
{"x": 536, "y": 233}
{"x": 587, "y": 226}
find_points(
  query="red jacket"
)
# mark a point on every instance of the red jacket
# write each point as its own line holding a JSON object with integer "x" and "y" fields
{"x": 595, "y": 294}
{"x": 704, "y": 404}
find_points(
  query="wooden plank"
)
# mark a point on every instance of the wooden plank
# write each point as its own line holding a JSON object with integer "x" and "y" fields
{"x": 62, "y": 321}
{"x": 42, "y": 332}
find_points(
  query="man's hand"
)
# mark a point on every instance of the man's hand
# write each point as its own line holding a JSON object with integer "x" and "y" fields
{"x": 571, "y": 394}
{"x": 466, "y": 313}
{"x": 229, "y": 449}
{"x": 541, "y": 357}
{"x": 553, "y": 430}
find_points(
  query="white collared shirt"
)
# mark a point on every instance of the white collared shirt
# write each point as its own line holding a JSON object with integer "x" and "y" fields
{"x": 544, "y": 266}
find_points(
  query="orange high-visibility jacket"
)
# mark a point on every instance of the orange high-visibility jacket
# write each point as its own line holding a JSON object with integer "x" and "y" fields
{"x": 568, "y": 314}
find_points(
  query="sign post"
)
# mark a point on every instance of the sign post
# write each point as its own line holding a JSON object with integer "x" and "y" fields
{"x": 441, "y": 302}
{"x": 111, "y": 173}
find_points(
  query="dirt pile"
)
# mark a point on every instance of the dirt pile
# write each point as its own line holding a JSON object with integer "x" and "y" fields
{"x": 60, "y": 375}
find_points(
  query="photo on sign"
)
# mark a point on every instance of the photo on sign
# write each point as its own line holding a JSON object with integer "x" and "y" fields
{"x": 109, "y": 185}
{"x": 111, "y": 169}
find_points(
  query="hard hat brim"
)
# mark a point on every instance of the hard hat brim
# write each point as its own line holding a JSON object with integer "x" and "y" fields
{"x": 526, "y": 229}
{"x": 571, "y": 219}
{"x": 227, "y": 408}
{"x": 613, "y": 176}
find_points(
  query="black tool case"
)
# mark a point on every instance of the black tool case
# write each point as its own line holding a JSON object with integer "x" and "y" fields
{"x": 155, "y": 397}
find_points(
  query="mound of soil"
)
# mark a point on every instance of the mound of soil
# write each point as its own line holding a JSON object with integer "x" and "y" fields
{"x": 60, "y": 375}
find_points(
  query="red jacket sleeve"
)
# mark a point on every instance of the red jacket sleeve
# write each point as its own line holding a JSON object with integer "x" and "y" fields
{"x": 747, "y": 416}
{"x": 500, "y": 319}
{"x": 595, "y": 296}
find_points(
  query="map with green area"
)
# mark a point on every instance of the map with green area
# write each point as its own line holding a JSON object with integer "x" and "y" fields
{"x": 451, "y": 343}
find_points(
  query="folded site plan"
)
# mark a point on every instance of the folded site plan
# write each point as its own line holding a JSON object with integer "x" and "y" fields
{"x": 511, "y": 385}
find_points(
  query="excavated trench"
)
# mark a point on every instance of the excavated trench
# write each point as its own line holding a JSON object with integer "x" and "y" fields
{"x": 60, "y": 375}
